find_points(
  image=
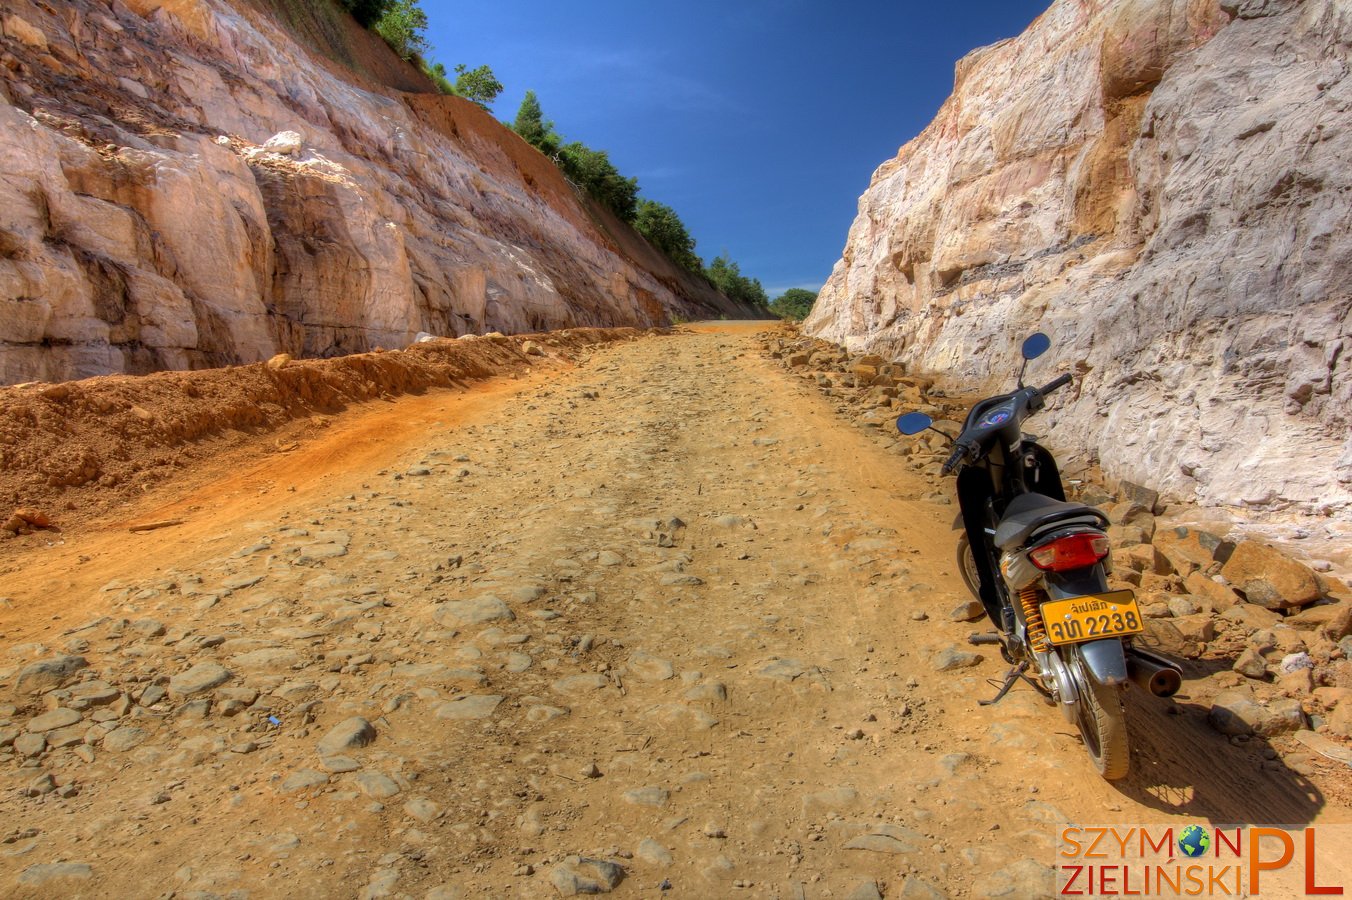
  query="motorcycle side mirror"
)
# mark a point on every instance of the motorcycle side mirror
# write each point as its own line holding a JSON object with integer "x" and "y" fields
{"x": 1036, "y": 345}
{"x": 913, "y": 423}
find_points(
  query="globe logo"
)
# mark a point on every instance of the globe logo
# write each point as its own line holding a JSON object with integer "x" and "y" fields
{"x": 1194, "y": 841}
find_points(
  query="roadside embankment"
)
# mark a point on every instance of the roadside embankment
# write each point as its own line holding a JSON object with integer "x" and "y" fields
{"x": 71, "y": 449}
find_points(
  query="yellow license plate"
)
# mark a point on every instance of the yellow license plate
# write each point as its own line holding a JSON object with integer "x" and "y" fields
{"x": 1113, "y": 614}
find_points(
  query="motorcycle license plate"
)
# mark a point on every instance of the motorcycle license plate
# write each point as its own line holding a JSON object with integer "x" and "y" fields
{"x": 1113, "y": 614}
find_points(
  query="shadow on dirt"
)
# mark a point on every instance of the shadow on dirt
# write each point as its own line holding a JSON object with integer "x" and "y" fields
{"x": 1183, "y": 766}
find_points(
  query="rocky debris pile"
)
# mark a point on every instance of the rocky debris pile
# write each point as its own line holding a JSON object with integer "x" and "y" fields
{"x": 1275, "y": 634}
{"x": 870, "y": 388}
{"x": 90, "y": 444}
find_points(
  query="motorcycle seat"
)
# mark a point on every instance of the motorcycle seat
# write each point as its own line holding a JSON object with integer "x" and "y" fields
{"x": 1029, "y": 513}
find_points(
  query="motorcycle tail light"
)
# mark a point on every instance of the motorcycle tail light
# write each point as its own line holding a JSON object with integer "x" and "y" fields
{"x": 1074, "y": 551}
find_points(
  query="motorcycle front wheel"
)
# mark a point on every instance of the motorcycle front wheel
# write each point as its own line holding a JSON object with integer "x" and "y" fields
{"x": 967, "y": 566}
{"x": 1102, "y": 721}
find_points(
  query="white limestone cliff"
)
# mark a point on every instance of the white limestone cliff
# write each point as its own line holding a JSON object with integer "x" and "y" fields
{"x": 1162, "y": 187}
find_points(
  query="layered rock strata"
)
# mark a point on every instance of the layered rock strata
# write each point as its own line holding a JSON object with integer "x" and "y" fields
{"x": 146, "y": 222}
{"x": 1161, "y": 187}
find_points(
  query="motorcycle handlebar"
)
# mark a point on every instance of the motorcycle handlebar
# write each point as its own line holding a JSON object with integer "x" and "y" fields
{"x": 955, "y": 459}
{"x": 1027, "y": 401}
{"x": 1056, "y": 384}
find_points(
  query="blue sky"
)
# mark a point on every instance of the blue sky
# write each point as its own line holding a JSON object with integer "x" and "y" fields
{"x": 759, "y": 122}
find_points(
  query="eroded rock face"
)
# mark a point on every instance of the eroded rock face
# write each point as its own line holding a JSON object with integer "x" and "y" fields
{"x": 1162, "y": 187}
{"x": 147, "y": 223}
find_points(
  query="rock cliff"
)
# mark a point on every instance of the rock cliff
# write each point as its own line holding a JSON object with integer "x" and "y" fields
{"x": 146, "y": 222}
{"x": 1163, "y": 188}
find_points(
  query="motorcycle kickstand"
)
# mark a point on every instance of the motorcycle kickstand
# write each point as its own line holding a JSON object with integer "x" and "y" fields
{"x": 1014, "y": 675}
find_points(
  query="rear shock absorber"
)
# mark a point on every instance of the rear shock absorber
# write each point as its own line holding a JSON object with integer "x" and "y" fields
{"x": 1031, "y": 598}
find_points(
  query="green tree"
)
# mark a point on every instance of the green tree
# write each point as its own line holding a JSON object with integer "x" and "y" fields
{"x": 530, "y": 121}
{"x": 403, "y": 25}
{"x": 664, "y": 230}
{"x": 727, "y": 277}
{"x": 754, "y": 294}
{"x": 795, "y": 303}
{"x": 589, "y": 169}
{"x": 478, "y": 85}
{"x": 535, "y": 129}
{"x": 593, "y": 171}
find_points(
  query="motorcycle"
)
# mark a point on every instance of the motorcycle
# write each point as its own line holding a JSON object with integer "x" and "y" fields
{"x": 1039, "y": 566}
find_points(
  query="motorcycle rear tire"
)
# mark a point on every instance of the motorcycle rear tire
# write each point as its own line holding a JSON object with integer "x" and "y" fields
{"x": 1102, "y": 721}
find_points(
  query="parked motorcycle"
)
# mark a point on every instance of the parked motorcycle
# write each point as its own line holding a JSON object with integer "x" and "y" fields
{"x": 1039, "y": 566}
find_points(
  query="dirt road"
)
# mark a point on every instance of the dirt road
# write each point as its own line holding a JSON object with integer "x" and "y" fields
{"x": 666, "y": 609}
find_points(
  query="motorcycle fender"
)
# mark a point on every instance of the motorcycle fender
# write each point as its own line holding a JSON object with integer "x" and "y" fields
{"x": 1105, "y": 660}
{"x": 1077, "y": 583}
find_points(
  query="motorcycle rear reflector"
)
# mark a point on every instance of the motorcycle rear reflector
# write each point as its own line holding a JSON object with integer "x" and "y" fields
{"x": 1074, "y": 551}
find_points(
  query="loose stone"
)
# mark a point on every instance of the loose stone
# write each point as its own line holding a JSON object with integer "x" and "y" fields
{"x": 578, "y": 875}
{"x": 647, "y": 796}
{"x": 201, "y": 677}
{"x": 377, "y": 786}
{"x": 302, "y": 780}
{"x": 350, "y": 734}
{"x": 57, "y": 718}
{"x": 951, "y": 658}
{"x": 422, "y": 809}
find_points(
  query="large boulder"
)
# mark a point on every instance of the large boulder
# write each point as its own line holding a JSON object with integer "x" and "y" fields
{"x": 1268, "y": 578}
{"x": 1216, "y": 595}
{"x": 1197, "y": 628}
{"x": 1251, "y": 618}
{"x": 1166, "y": 637}
{"x": 1339, "y": 721}
{"x": 1144, "y": 558}
{"x": 1190, "y": 550}
{"x": 1333, "y": 620}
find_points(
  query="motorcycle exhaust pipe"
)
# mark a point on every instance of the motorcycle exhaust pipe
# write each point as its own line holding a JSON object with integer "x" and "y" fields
{"x": 1153, "y": 673}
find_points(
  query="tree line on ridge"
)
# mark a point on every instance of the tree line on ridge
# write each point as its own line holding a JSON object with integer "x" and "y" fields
{"x": 403, "y": 25}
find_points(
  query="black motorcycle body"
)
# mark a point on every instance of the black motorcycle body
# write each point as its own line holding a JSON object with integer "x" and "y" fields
{"x": 1039, "y": 566}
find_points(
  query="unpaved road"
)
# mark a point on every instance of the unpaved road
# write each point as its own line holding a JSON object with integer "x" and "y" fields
{"x": 665, "y": 609}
